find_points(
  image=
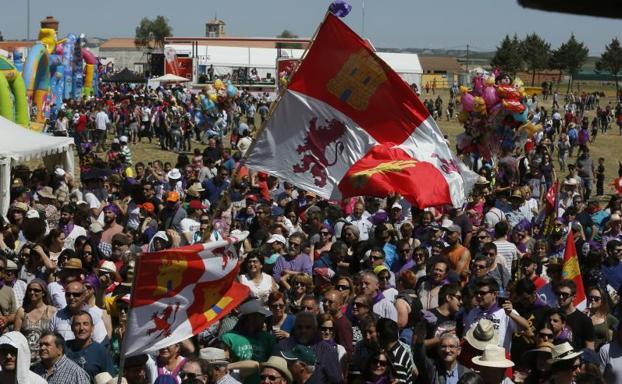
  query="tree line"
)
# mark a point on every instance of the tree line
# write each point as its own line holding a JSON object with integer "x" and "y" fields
{"x": 534, "y": 54}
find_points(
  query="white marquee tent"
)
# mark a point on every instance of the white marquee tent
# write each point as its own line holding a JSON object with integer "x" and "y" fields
{"x": 225, "y": 59}
{"x": 19, "y": 144}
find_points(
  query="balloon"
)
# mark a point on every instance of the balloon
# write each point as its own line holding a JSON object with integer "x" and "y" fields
{"x": 617, "y": 185}
{"x": 520, "y": 116}
{"x": 515, "y": 106}
{"x": 508, "y": 92}
{"x": 232, "y": 91}
{"x": 340, "y": 8}
{"x": 530, "y": 129}
{"x": 467, "y": 102}
{"x": 213, "y": 97}
{"x": 494, "y": 110}
{"x": 490, "y": 80}
{"x": 218, "y": 84}
{"x": 479, "y": 105}
{"x": 490, "y": 95}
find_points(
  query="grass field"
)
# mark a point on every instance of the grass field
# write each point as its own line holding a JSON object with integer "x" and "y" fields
{"x": 608, "y": 145}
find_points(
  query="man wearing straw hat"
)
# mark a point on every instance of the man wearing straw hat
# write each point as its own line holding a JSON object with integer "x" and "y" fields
{"x": 492, "y": 365}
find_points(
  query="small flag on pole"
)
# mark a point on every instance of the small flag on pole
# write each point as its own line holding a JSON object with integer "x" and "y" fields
{"x": 572, "y": 271}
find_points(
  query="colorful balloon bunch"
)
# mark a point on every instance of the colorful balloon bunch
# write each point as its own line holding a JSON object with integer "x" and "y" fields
{"x": 219, "y": 95}
{"x": 494, "y": 115}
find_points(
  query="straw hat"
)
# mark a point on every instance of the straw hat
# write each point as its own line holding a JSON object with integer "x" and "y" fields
{"x": 544, "y": 350}
{"x": 280, "y": 364}
{"x": 46, "y": 193}
{"x": 494, "y": 357}
{"x": 563, "y": 352}
{"x": 195, "y": 190}
{"x": 482, "y": 334}
{"x": 481, "y": 180}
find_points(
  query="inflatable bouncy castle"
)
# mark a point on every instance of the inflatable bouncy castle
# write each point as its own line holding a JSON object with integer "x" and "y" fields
{"x": 57, "y": 70}
{"x": 13, "y": 100}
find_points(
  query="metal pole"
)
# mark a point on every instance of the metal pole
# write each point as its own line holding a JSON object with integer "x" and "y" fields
{"x": 28, "y": 20}
{"x": 363, "y": 29}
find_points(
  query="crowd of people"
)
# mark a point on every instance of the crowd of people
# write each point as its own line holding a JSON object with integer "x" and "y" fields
{"x": 363, "y": 290}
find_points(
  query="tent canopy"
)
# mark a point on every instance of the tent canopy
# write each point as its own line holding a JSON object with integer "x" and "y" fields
{"x": 170, "y": 78}
{"x": 125, "y": 76}
{"x": 20, "y": 144}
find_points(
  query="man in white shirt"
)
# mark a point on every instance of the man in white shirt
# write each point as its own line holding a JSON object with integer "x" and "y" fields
{"x": 358, "y": 218}
{"x": 191, "y": 225}
{"x": 504, "y": 318}
{"x": 72, "y": 230}
{"x": 101, "y": 125}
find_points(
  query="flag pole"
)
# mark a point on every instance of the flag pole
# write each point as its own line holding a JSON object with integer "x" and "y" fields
{"x": 282, "y": 91}
{"x": 127, "y": 326}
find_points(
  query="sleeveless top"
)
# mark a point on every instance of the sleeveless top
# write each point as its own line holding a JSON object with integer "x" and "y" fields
{"x": 32, "y": 330}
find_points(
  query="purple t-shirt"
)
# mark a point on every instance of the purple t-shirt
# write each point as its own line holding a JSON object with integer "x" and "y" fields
{"x": 300, "y": 263}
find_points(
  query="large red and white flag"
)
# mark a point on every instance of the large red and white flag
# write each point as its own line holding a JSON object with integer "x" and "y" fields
{"x": 348, "y": 125}
{"x": 180, "y": 292}
{"x": 572, "y": 271}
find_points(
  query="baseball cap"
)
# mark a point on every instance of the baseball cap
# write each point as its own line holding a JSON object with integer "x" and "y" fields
{"x": 213, "y": 355}
{"x": 149, "y": 207}
{"x": 172, "y": 197}
{"x": 301, "y": 353}
{"x": 453, "y": 228}
{"x": 253, "y": 306}
{"x": 276, "y": 237}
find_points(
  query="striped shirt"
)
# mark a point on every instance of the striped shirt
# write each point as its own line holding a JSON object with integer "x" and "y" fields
{"x": 402, "y": 361}
{"x": 508, "y": 251}
{"x": 64, "y": 371}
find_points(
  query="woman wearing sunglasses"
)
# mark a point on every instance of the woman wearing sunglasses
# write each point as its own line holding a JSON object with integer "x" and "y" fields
{"x": 35, "y": 316}
{"x": 327, "y": 333}
{"x": 345, "y": 286}
{"x": 378, "y": 369}
{"x": 362, "y": 306}
{"x": 600, "y": 314}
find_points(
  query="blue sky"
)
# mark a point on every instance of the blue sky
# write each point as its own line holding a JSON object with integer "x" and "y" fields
{"x": 449, "y": 24}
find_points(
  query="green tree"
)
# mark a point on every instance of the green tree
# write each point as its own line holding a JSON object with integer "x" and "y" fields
{"x": 152, "y": 32}
{"x": 611, "y": 60}
{"x": 536, "y": 54}
{"x": 570, "y": 57}
{"x": 287, "y": 34}
{"x": 508, "y": 56}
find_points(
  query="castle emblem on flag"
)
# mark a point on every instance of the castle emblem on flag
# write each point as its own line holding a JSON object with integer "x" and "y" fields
{"x": 161, "y": 321}
{"x": 170, "y": 275}
{"x": 357, "y": 80}
{"x": 317, "y": 141}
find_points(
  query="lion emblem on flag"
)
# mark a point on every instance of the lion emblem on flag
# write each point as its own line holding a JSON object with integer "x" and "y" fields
{"x": 319, "y": 139}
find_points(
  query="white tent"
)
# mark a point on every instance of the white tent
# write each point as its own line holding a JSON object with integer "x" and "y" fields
{"x": 170, "y": 78}
{"x": 225, "y": 59}
{"x": 19, "y": 144}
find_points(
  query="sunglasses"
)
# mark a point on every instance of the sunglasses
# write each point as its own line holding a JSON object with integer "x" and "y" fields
{"x": 482, "y": 293}
{"x": 270, "y": 377}
{"x": 188, "y": 376}
{"x": 564, "y": 295}
{"x": 373, "y": 258}
{"x": 294, "y": 245}
{"x": 382, "y": 363}
{"x": 341, "y": 287}
{"x": 545, "y": 335}
{"x": 482, "y": 237}
{"x": 326, "y": 329}
{"x": 73, "y": 294}
{"x": 595, "y": 298}
{"x": 35, "y": 290}
{"x": 278, "y": 306}
{"x": 359, "y": 305}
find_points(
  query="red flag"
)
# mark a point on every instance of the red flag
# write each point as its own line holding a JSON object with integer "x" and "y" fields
{"x": 572, "y": 271}
{"x": 348, "y": 125}
{"x": 550, "y": 197}
{"x": 180, "y": 292}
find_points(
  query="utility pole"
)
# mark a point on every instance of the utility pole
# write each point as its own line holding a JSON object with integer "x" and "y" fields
{"x": 28, "y": 20}
{"x": 467, "y": 59}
